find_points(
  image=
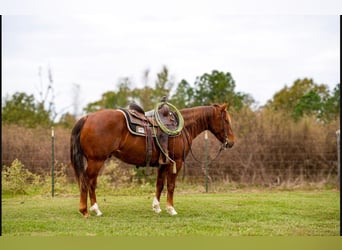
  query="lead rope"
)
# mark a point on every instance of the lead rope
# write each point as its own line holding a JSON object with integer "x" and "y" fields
{"x": 174, "y": 168}
{"x": 166, "y": 130}
{"x": 162, "y": 126}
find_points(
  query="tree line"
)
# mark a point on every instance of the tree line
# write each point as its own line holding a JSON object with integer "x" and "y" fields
{"x": 303, "y": 98}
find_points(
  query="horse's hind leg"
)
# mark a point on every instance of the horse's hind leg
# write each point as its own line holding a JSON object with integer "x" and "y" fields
{"x": 83, "y": 201}
{"x": 92, "y": 172}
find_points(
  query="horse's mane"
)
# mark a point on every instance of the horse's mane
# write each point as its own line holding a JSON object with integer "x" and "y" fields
{"x": 198, "y": 116}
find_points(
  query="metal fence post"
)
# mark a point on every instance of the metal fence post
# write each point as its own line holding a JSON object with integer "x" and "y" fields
{"x": 339, "y": 172}
{"x": 52, "y": 162}
{"x": 338, "y": 159}
{"x": 206, "y": 160}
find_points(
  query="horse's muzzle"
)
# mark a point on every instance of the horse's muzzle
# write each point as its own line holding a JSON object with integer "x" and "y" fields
{"x": 228, "y": 144}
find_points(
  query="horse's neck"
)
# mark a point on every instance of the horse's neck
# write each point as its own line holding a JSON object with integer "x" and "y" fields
{"x": 196, "y": 119}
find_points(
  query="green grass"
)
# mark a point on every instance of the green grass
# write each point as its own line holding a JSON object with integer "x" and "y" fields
{"x": 239, "y": 212}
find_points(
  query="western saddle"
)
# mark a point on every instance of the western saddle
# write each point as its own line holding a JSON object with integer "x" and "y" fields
{"x": 143, "y": 123}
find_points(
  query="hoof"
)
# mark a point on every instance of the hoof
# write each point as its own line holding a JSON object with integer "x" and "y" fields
{"x": 85, "y": 214}
{"x": 156, "y": 206}
{"x": 95, "y": 209}
{"x": 171, "y": 210}
{"x": 99, "y": 213}
{"x": 157, "y": 210}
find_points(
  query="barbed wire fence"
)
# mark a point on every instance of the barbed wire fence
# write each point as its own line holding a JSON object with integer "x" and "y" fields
{"x": 256, "y": 163}
{"x": 252, "y": 161}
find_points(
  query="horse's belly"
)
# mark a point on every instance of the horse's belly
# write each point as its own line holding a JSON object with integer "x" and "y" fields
{"x": 135, "y": 152}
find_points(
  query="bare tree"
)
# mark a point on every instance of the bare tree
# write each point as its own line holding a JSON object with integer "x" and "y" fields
{"x": 76, "y": 88}
{"x": 46, "y": 94}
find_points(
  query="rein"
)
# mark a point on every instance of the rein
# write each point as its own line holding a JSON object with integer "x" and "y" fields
{"x": 223, "y": 145}
{"x": 192, "y": 153}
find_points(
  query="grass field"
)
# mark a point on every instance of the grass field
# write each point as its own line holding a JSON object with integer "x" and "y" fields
{"x": 239, "y": 212}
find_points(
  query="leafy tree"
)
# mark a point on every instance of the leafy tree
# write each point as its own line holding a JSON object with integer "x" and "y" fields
{"x": 107, "y": 101}
{"x": 217, "y": 87}
{"x": 331, "y": 108}
{"x": 143, "y": 97}
{"x": 184, "y": 96}
{"x": 147, "y": 97}
{"x": 163, "y": 85}
{"x": 304, "y": 97}
{"x": 67, "y": 120}
{"x": 22, "y": 109}
{"x": 309, "y": 104}
{"x": 124, "y": 94}
{"x": 112, "y": 99}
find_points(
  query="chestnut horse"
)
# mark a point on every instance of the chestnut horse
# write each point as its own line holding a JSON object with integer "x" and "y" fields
{"x": 104, "y": 133}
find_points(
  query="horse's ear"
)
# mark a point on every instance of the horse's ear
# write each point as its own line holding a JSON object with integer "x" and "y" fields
{"x": 224, "y": 106}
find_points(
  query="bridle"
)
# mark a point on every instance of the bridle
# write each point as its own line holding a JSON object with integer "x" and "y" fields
{"x": 226, "y": 142}
{"x": 222, "y": 147}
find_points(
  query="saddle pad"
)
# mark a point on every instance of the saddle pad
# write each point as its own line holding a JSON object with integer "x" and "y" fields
{"x": 135, "y": 125}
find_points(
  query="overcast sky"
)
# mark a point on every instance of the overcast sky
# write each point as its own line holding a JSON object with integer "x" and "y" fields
{"x": 94, "y": 49}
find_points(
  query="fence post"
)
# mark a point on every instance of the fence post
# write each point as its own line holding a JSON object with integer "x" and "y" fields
{"x": 52, "y": 162}
{"x": 206, "y": 160}
{"x": 338, "y": 159}
{"x": 339, "y": 172}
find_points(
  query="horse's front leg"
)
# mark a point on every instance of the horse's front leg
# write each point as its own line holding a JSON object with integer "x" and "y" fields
{"x": 161, "y": 177}
{"x": 171, "y": 184}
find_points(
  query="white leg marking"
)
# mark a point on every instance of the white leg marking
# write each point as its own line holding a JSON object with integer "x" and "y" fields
{"x": 171, "y": 210}
{"x": 95, "y": 208}
{"x": 156, "y": 205}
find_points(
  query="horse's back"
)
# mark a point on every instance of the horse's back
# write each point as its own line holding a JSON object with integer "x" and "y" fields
{"x": 102, "y": 131}
{"x": 104, "y": 118}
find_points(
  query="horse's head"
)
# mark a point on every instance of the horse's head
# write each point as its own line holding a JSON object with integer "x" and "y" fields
{"x": 221, "y": 126}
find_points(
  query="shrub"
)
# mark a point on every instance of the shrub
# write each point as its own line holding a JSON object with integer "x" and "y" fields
{"x": 112, "y": 175}
{"x": 61, "y": 180}
{"x": 17, "y": 180}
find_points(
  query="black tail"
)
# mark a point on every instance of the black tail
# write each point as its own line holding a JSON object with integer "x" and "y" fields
{"x": 76, "y": 154}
